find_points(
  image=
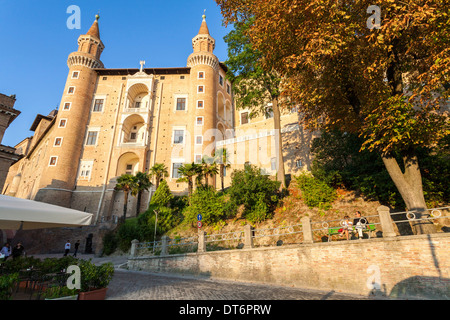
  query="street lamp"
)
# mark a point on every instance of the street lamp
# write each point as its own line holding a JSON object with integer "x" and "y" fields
{"x": 156, "y": 223}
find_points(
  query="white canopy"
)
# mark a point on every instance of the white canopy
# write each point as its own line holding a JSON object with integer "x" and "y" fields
{"x": 38, "y": 215}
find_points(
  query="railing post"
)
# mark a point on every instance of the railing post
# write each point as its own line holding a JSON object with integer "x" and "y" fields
{"x": 165, "y": 248}
{"x": 307, "y": 230}
{"x": 201, "y": 241}
{"x": 134, "y": 245}
{"x": 248, "y": 239}
{"x": 386, "y": 222}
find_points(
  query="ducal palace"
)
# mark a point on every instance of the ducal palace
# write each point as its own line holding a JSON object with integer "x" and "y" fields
{"x": 116, "y": 121}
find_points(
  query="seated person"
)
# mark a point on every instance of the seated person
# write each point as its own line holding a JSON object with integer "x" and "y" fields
{"x": 360, "y": 224}
{"x": 347, "y": 226}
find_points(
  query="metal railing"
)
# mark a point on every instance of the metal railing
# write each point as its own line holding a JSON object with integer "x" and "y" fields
{"x": 320, "y": 231}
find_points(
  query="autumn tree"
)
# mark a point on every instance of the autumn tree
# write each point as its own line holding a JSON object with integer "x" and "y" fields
{"x": 387, "y": 85}
{"x": 255, "y": 87}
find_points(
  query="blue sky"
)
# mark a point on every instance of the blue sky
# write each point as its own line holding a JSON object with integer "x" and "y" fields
{"x": 35, "y": 44}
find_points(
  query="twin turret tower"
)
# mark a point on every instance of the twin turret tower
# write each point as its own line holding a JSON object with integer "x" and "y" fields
{"x": 67, "y": 136}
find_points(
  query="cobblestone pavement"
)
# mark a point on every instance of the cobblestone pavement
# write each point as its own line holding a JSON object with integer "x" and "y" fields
{"x": 138, "y": 285}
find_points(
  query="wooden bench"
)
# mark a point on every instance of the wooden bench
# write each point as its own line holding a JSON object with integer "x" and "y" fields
{"x": 334, "y": 231}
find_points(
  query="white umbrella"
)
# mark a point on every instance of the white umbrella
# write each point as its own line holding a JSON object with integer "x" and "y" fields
{"x": 16, "y": 213}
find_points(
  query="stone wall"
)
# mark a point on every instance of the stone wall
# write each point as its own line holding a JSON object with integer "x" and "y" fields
{"x": 401, "y": 267}
{"x": 52, "y": 241}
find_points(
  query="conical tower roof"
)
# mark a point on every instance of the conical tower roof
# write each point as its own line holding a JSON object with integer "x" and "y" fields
{"x": 94, "y": 30}
{"x": 203, "y": 27}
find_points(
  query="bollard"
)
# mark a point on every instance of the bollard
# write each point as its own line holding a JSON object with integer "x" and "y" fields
{"x": 134, "y": 245}
{"x": 386, "y": 222}
{"x": 307, "y": 230}
{"x": 248, "y": 239}
{"x": 201, "y": 241}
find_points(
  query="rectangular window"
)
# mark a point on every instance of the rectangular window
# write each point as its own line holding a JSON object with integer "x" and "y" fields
{"x": 75, "y": 75}
{"x": 200, "y": 89}
{"x": 175, "y": 168}
{"x": 201, "y": 75}
{"x": 129, "y": 169}
{"x": 244, "y": 118}
{"x": 181, "y": 104}
{"x": 133, "y": 136}
{"x": 67, "y": 106}
{"x": 137, "y": 104}
{"x": 58, "y": 142}
{"x": 85, "y": 170}
{"x": 91, "y": 138}
{"x": 200, "y": 104}
{"x": 62, "y": 123}
{"x": 273, "y": 164}
{"x": 53, "y": 161}
{"x": 199, "y": 121}
{"x": 178, "y": 136}
{"x": 228, "y": 89}
{"x": 199, "y": 140}
{"x": 198, "y": 158}
{"x": 98, "y": 105}
{"x": 71, "y": 90}
{"x": 220, "y": 80}
{"x": 182, "y": 77}
{"x": 298, "y": 163}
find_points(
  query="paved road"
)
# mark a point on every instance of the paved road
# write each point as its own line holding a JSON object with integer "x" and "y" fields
{"x": 138, "y": 285}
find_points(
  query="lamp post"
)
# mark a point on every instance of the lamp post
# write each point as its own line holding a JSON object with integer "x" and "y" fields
{"x": 156, "y": 223}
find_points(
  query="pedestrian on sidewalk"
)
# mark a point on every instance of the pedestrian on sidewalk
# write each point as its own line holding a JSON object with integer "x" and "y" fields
{"x": 67, "y": 248}
{"x": 6, "y": 251}
{"x": 77, "y": 244}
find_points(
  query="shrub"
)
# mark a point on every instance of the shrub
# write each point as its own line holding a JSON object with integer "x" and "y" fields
{"x": 207, "y": 202}
{"x": 162, "y": 195}
{"x": 316, "y": 193}
{"x": 260, "y": 211}
{"x": 7, "y": 283}
{"x": 249, "y": 182}
{"x": 110, "y": 243}
{"x": 95, "y": 277}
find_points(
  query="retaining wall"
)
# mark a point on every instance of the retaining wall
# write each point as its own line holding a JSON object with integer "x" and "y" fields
{"x": 400, "y": 267}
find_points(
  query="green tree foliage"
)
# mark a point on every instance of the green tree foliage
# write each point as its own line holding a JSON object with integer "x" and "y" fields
{"x": 340, "y": 162}
{"x": 207, "y": 202}
{"x": 162, "y": 196}
{"x": 250, "y": 188}
{"x": 315, "y": 193}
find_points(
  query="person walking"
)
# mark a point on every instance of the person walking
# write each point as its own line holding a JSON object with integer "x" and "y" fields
{"x": 67, "y": 248}
{"x": 77, "y": 244}
{"x": 6, "y": 251}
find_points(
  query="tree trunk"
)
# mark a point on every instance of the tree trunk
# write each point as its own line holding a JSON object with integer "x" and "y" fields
{"x": 125, "y": 205}
{"x": 409, "y": 184}
{"x": 138, "y": 205}
{"x": 278, "y": 143}
{"x": 221, "y": 176}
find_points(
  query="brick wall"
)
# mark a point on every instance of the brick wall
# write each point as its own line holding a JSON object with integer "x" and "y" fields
{"x": 409, "y": 266}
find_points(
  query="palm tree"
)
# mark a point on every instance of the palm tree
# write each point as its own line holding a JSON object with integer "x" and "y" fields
{"x": 125, "y": 183}
{"x": 187, "y": 172}
{"x": 210, "y": 168}
{"x": 142, "y": 183}
{"x": 221, "y": 158}
{"x": 159, "y": 170}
